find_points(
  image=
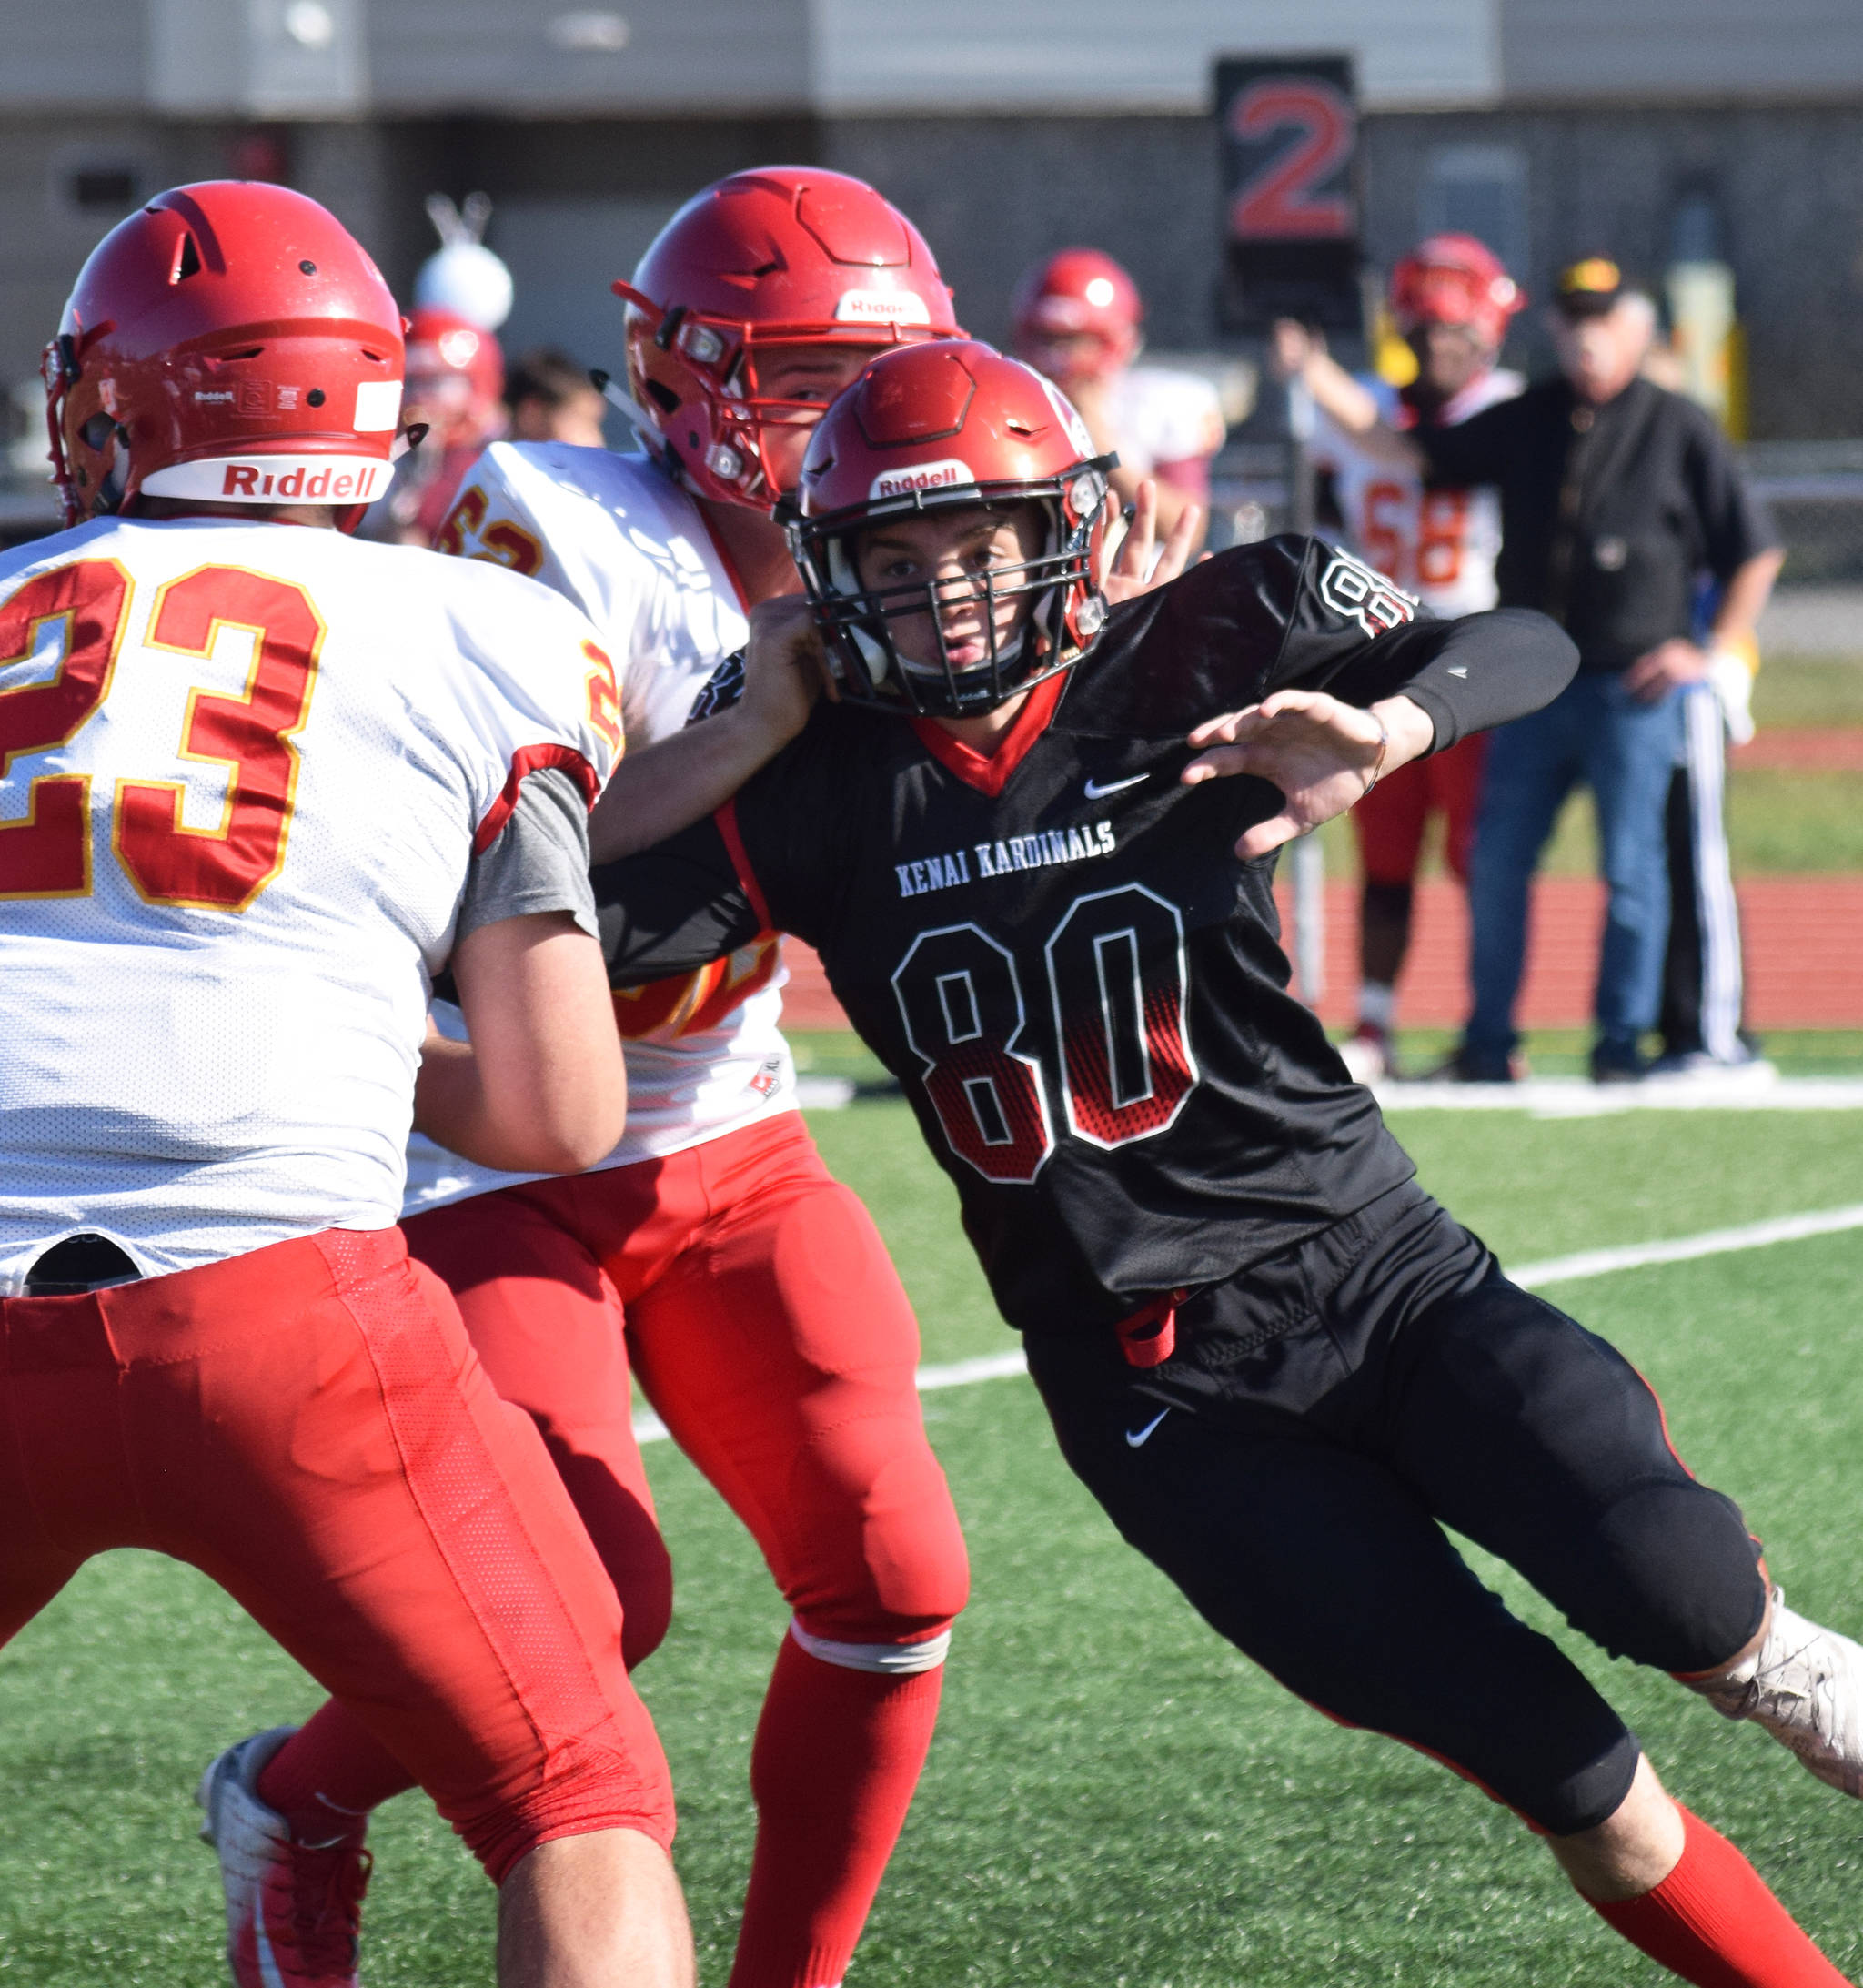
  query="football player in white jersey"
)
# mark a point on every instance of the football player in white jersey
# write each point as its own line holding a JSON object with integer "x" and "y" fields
{"x": 259, "y": 783}
{"x": 1077, "y": 320}
{"x": 762, "y": 1316}
{"x": 1452, "y": 300}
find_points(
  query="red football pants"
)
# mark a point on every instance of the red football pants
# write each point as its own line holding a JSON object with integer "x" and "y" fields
{"x": 309, "y": 1427}
{"x": 1391, "y": 819}
{"x": 769, "y": 1330}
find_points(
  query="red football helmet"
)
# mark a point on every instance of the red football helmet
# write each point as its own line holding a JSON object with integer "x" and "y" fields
{"x": 227, "y": 342}
{"x": 949, "y": 426}
{"x": 783, "y": 254}
{"x": 1454, "y": 279}
{"x": 456, "y": 374}
{"x": 1077, "y": 293}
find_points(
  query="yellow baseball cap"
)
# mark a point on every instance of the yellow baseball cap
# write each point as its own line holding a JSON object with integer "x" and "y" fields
{"x": 1589, "y": 288}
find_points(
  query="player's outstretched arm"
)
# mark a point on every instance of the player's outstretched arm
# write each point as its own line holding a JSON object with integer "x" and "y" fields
{"x": 1297, "y": 353}
{"x": 667, "y": 786}
{"x": 1358, "y": 709}
{"x": 540, "y": 1088}
{"x": 1322, "y": 754}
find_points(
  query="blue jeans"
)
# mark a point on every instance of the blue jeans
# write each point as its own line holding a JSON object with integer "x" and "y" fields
{"x": 1626, "y": 752}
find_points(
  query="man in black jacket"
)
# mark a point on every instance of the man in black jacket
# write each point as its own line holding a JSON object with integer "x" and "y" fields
{"x": 1616, "y": 498}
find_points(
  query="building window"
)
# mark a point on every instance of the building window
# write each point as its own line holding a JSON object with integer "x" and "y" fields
{"x": 97, "y": 186}
{"x": 1479, "y": 190}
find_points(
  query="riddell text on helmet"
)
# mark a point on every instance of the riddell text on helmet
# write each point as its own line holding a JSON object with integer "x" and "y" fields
{"x": 882, "y": 307}
{"x": 950, "y": 474}
{"x": 275, "y": 479}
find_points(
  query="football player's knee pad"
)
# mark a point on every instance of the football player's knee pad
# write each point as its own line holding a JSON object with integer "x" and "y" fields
{"x": 627, "y": 1540}
{"x": 1689, "y": 1594}
{"x": 876, "y": 1554}
{"x": 647, "y": 1610}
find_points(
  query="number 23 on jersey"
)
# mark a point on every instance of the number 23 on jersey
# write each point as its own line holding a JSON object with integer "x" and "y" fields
{"x": 46, "y": 852}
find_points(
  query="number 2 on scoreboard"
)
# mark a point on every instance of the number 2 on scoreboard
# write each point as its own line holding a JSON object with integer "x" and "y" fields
{"x": 47, "y": 852}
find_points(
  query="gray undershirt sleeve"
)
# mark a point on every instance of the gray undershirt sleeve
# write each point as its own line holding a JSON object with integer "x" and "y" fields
{"x": 539, "y": 861}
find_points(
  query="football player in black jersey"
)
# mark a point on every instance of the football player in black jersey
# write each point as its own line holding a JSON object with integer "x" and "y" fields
{"x": 1279, "y": 1365}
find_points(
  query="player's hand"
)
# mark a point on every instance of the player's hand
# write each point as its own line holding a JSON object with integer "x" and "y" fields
{"x": 785, "y": 668}
{"x": 1290, "y": 344}
{"x": 1322, "y": 755}
{"x": 1139, "y": 564}
{"x": 1665, "y": 668}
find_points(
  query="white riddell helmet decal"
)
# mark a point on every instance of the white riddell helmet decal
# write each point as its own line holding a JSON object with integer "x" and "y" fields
{"x": 882, "y": 307}
{"x": 950, "y": 474}
{"x": 275, "y": 479}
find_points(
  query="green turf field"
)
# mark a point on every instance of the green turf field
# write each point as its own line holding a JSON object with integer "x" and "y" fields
{"x": 1115, "y": 1798}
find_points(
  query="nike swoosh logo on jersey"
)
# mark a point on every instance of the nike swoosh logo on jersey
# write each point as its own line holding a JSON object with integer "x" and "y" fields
{"x": 1098, "y": 790}
{"x": 1458, "y": 670}
{"x": 1134, "y": 1437}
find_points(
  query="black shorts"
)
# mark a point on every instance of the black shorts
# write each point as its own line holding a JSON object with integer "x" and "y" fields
{"x": 1326, "y": 1414}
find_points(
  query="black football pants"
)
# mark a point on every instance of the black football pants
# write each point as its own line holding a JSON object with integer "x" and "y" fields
{"x": 1326, "y": 1414}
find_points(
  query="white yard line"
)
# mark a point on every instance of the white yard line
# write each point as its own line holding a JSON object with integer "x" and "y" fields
{"x": 1585, "y": 1263}
{"x": 1757, "y": 1088}
{"x": 1714, "y": 1242}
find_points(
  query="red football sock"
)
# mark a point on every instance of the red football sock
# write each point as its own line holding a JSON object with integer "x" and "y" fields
{"x": 837, "y": 1758}
{"x": 330, "y": 1773}
{"x": 1712, "y": 1922}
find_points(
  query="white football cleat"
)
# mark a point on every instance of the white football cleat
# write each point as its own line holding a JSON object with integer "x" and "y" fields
{"x": 294, "y": 1911}
{"x": 1368, "y": 1056}
{"x": 1805, "y": 1688}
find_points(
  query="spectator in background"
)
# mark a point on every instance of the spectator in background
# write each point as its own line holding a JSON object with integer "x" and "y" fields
{"x": 1452, "y": 301}
{"x": 1615, "y": 496}
{"x": 550, "y": 399}
{"x": 1077, "y": 318}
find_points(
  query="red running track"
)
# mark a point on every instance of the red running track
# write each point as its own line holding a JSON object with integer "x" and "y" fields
{"x": 1803, "y": 938}
{"x": 1803, "y": 748}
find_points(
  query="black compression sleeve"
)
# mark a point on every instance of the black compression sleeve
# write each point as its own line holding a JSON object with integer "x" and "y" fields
{"x": 1473, "y": 451}
{"x": 1469, "y": 674}
{"x": 672, "y": 908}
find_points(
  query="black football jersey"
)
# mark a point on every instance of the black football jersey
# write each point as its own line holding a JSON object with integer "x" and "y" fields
{"x": 1055, "y": 950}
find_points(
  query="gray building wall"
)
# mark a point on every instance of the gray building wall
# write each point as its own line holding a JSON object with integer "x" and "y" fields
{"x": 586, "y": 150}
{"x": 1641, "y": 50}
{"x": 1786, "y": 183}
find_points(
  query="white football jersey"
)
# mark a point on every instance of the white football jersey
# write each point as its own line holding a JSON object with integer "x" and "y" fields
{"x": 1162, "y": 415}
{"x": 245, "y": 767}
{"x": 1439, "y": 544}
{"x": 618, "y": 537}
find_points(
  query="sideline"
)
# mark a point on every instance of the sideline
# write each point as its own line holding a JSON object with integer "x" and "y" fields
{"x": 1756, "y": 1087}
{"x": 1585, "y": 1262}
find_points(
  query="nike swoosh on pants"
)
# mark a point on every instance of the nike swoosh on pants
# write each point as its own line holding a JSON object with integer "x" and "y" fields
{"x": 1134, "y": 1437}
